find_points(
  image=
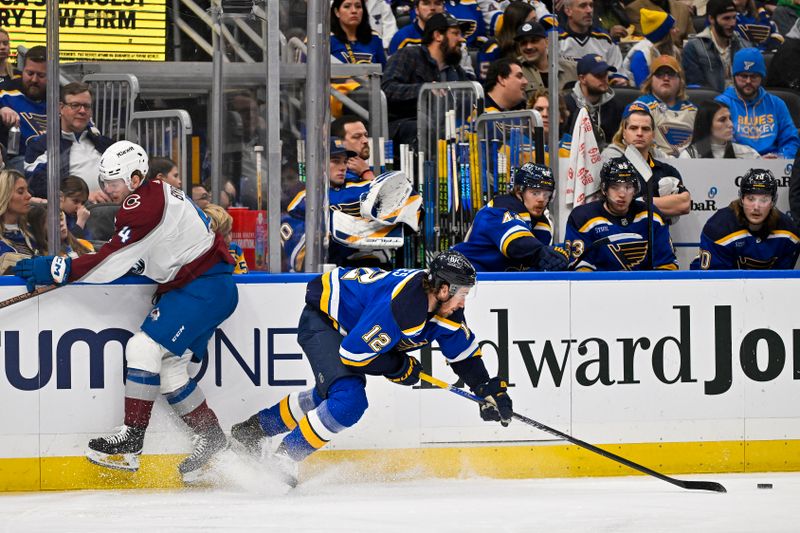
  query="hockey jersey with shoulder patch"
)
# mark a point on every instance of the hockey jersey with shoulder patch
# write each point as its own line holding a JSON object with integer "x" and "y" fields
{"x": 158, "y": 233}
{"x": 380, "y": 311}
{"x": 504, "y": 236}
{"x": 598, "y": 240}
{"x": 726, "y": 244}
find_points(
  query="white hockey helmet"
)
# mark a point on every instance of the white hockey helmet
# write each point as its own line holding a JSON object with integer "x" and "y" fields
{"x": 120, "y": 161}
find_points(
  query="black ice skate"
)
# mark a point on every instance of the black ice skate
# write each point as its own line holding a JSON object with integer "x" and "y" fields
{"x": 121, "y": 450}
{"x": 286, "y": 467}
{"x": 206, "y": 445}
{"x": 250, "y": 436}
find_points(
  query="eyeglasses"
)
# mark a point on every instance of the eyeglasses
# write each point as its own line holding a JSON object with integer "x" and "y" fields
{"x": 745, "y": 76}
{"x": 76, "y": 106}
{"x": 666, "y": 73}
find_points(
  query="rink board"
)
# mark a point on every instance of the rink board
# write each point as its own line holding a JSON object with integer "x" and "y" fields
{"x": 683, "y": 372}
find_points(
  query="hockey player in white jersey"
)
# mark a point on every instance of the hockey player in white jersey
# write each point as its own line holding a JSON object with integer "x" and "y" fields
{"x": 160, "y": 234}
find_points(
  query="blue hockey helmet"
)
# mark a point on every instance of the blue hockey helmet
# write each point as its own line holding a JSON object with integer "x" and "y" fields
{"x": 618, "y": 170}
{"x": 534, "y": 176}
{"x": 759, "y": 181}
{"x": 453, "y": 268}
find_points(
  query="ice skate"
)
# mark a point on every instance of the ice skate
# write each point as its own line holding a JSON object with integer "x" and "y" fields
{"x": 249, "y": 437}
{"x": 206, "y": 445}
{"x": 120, "y": 450}
{"x": 286, "y": 468}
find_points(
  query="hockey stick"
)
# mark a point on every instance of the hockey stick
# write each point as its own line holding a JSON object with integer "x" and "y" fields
{"x": 27, "y": 295}
{"x": 596, "y": 244}
{"x": 691, "y": 485}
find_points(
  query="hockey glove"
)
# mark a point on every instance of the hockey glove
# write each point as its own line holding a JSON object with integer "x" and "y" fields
{"x": 497, "y": 407}
{"x": 409, "y": 371}
{"x": 43, "y": 270}
{"x": 553, "y": 259}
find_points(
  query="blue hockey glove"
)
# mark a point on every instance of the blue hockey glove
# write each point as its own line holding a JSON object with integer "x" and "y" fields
{"x": 409, "y": 372}
{"x": 552, "y": 259}
{"x": 43, "y": 270}
{"x": 498, "y": 406}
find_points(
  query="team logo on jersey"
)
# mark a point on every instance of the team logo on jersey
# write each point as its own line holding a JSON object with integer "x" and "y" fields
{"x": 132, "y": 202}
{"x": 629, "y": 254}
{"x": 138, "y": 268}
{"x": 154, "y": 314}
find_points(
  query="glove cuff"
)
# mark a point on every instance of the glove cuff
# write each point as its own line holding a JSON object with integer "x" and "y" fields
{"x": 59, "y": 269}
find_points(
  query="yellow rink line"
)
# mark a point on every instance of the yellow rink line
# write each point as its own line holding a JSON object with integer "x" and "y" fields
{"x": 508, "y": 462}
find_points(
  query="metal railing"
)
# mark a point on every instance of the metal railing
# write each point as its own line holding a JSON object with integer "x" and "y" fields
{"x": 114, "y": 98}
{"x": 164, "y": 134}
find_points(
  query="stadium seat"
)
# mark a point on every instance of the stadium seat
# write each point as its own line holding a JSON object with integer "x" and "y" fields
{"x": 626, "y": 95}
{"x": 699, "y": 24}
{"x": 698, "y": 96}
{"x": 792, "y": 100}
{"x": 100, "y": 226}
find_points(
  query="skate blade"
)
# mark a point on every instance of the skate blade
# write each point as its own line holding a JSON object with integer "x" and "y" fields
{"x": 266, "y": 464}
{"x": 123, "y": 461}
{"x": 206, "y": 474}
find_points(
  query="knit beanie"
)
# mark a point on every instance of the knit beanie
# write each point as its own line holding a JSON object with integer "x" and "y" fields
{"x": 655, "y": 24}
{"x": 749, "y": 60}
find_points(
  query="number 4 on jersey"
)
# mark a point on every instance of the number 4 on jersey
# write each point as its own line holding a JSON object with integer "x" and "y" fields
{"x": 124, "y": 234}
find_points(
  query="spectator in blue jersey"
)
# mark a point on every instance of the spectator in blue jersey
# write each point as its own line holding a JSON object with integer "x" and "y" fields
{"x": 505, "y": 86}
{"x": 712, "y": 136}
{"x": 755, "y": 25}
{"x": 612, "y": 234}
{"x": 503, "y": 45}
{"x": 7, "y": 71}
{"x": 481, "y": 18}
{"x": 665, "y": 94}
{"x": 361, "y": 323}
{"x": 411, "y": 34}
{"x": 512, "y": 232}
{"x": 660, "y": 39}
{"x": 81, "y": 145}
{"x": 760, "y": 120}
{"x": 751, "y": 233}
{"x": 352, "y": 40}
{"x": 353, "y": 133}
{"x": 16, "y": 236}
{"x": 22, "y": 103}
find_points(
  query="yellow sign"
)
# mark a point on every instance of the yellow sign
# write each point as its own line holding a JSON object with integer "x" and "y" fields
{"x": 122, "y": 30}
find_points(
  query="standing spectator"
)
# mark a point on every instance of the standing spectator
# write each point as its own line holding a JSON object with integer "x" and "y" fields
{"x": 665, "y": 187}
{"x": 660, "y": 35}
{"x": 665, "y": 95}
{"x": 7, "y": 71}
{"x": 381, "y": 20}
{"x": 81, "y": 145}
{"x": 784, "y": 69}
{"x": 353, "y": 133}
{"x": 531, "y": 42}
{"x": 502, "y": 45}
{"x": 22, "y": 102}
{"x": 593, "y": 93}
{"x": 16, "y": 238}
{"x": 760, "y": 120}
{"x": 579, "y": 38}
{"x": 505, "y": 86}
{"x": 674, "y": 8}
{"x": 352, "y": 40}
{"x": 436, "y": 60}
{"x": 713, "y": 134}
{"x": 165, "y": 169}
{"x": 755, "y": 25}
{"x": 707, "y": 57}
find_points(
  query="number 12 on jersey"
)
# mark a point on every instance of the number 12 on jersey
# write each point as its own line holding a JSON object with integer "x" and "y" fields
{"x": 376, "y": 339}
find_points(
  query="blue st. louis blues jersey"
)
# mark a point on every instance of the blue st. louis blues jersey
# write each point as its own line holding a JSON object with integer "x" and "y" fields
{"x": 358, "y": 52}
{"x": 598, "y": 240}
{"x": 727, "y": 244}
{"x": 503, "y": 236}
{"x": 379, "y": 311}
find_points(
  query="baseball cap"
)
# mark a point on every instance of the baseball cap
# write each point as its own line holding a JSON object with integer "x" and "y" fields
{"x": 718, "y": 7}
{"x": 442, "y": 21}
{"x": 337, "y": 148}
{"x": 593, "y": 64}
{"x": 665, "y": 61}
{"x": 530, "y": 30}
{"x": 636, "y": 107}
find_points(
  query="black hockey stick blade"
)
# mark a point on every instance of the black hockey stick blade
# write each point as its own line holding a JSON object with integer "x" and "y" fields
{"x": 691, "y": 485}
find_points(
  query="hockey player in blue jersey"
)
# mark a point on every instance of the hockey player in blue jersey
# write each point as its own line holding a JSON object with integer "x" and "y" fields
{"x": 751, "y": 233}
{"x": 512, "y": 232}
{"x": 362, "y": 322}
{"x": 611, "y": 234}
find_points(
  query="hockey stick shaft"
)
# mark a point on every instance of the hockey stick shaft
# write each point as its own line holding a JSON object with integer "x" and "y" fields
{"x": 27, "y": 295}
{"x": 693, "y": 485}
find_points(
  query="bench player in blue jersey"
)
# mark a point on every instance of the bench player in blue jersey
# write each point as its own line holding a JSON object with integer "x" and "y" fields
{"x": 512, "y": 232}
{"x": 751, "y": 233}
{"x": 362, "y": 322}
{"x": 611, "y": 234}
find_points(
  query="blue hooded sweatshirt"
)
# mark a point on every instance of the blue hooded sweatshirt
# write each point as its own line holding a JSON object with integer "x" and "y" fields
{"x": 763, "y": 123}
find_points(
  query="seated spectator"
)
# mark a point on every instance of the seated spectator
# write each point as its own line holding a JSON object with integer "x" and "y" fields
{"x": 612, "y": 234}
{"x": 755, "y": 25}
{"x": 751, "y": 233}
{"x": 222, "y": 223}
{"x": 784, "y": 69}
{"x": 7, "y": 71}
{"x": 502, "y": 45}
{"x": 411, "y": 34}
{"x": 512, "y": 231}
{"x": 73, "y": 197}
{"x": 81, "y": 145}
{"x": 713, "y": 134}
{"x": 381, "y": 20}
{"x": 437, "y": 59}
{"x": 760, "y": 120}
{"x": 200, "y": 196}
{"x": 531, "y": 50}
{"x": 16, "y": 238}
{"x": 504, "y": 87}
{"x": 593, "y": 92}
{"x": 660, "y": 35}
{"x": 540, "y": 102}
{"x": 352, "y": 40}
{"x": 794, "y": 189}
{"x": 26, "y": 96}
{"x": 579, "y": 38}
{"x": 707, "y": 57}
{"x": 70, "y": 245}
{"x": 674, "y": 8}
{"x": 164, "y": 169}
{"x": 665, "y": 187}
{"x": 353, "y": 133}
{"x": 665, "y": 95}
